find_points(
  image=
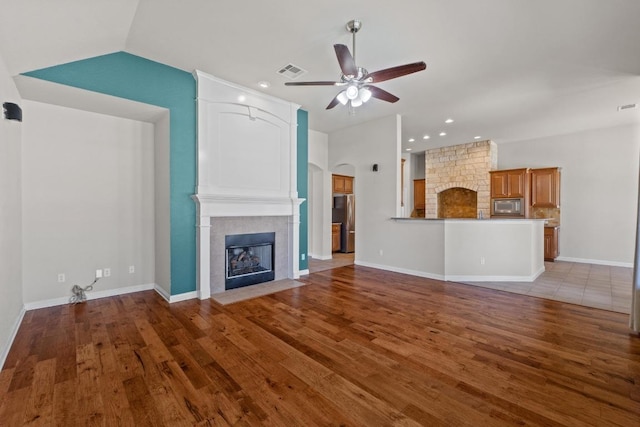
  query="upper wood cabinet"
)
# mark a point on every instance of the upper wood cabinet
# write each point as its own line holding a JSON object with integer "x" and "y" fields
{"x": 342, "y": 184}
{"x": 512, "y": 183}
{"x": 545, "y": 188}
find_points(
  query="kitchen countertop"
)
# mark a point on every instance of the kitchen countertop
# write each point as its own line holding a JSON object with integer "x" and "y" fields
{"x": 403, "y": 218}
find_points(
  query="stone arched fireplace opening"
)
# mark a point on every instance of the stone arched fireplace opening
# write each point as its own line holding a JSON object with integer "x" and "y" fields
{"x": 458, "y": 202}
{"x": 464, "y": 166}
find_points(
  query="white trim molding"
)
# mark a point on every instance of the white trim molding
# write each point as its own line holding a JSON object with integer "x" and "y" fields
{"x": 12, "y": 337}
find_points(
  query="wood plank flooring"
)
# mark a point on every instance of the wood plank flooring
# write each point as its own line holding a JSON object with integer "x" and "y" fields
{"x": 355, "y": 347}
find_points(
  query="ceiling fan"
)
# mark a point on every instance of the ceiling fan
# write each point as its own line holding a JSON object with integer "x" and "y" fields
{"x": 357, "y": 79}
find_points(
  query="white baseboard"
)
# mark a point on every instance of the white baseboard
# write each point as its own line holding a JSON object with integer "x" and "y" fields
{"x": 321, "y": 257}
{"x": 595, "y": 261}
{"x": 12, "y": 337}
{"x": 453, "y": 278}
{"x": 531, "y": 278}
{"x": 90, "y": 296}
{"x": 183, "y": 297}
{"x": 401, "y": 270}
{"x": 304, "y": 272}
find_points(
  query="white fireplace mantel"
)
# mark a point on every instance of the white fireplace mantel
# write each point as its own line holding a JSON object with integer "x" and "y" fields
{"x": 216, "y": 205}
{"x": 247, "y": 151}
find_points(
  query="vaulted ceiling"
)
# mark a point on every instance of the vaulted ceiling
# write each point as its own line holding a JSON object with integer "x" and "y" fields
{"x": 504, "y": 70}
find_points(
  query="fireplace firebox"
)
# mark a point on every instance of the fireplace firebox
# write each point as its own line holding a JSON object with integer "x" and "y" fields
{"x": 249, "y": 259}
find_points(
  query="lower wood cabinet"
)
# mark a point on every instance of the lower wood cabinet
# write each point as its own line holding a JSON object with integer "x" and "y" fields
{"x": 335, "y": 237}
{"x": 551, "y": 249}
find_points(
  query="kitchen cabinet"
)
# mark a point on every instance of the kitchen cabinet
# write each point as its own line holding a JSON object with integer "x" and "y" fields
{"x": 335, "y": 237}
{"x": 418, "y": 194}
{"x": 342, "y": 184}
{"x": 545, "y": 188}
{"x": 512, "y": 183}
{"x": 551, "y": 248}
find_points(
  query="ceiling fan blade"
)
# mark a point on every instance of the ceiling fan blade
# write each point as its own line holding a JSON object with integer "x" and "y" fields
{"x": 382, "y": 94}
{"x": 320, "y": 83}
{"x": 346, "y": 61}
{"x": 393, "y": 72}
{"x": 333, "y": 103}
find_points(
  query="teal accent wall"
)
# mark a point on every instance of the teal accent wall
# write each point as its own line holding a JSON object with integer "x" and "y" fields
{"x": 132, "y": 77}
{"x": 303, "y": 185}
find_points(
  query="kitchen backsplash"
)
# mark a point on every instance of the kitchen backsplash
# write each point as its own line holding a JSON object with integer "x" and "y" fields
{"x": 552, "y": 214}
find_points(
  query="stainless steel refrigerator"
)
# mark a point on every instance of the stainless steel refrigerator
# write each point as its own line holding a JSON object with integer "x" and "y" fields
{"x": 344, "y": 211}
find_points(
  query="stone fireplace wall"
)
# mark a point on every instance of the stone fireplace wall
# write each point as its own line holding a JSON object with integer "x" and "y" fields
{"x": 466, "y": 166}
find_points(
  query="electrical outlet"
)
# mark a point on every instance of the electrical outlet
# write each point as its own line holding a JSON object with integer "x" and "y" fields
{"x": 132, "y": 269}
{"x": 381, "y": 252}
{"x": 481, "y": 260}
{"x": 107, "y": 272}
{"x": 303, "y": 256}
{"x": 98, "y": 273}
{"x": 61, "y": 278}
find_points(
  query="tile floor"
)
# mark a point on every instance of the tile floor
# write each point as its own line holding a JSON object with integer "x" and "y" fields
{"x": 591, "y": 285}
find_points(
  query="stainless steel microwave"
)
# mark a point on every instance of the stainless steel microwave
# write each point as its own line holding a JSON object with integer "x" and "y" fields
{"x": 507, "y": 207}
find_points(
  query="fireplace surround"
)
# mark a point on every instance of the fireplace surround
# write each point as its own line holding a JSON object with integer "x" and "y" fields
{"x": 240, "y": 129}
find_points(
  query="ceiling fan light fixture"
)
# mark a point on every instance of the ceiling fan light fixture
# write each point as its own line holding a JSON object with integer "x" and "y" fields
{"x": 365, "y": 94}
{"x": 342, "y": 98}
{"x": 352, "y": 92}
{"x": 356, "y": 79}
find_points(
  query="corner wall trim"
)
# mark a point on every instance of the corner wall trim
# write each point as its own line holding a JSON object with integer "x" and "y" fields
{"x": 12, "y": 337}
{"x": 163, "y": 293}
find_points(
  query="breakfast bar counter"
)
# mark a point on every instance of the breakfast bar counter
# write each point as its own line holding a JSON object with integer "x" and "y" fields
{"x": 471, "y": 249}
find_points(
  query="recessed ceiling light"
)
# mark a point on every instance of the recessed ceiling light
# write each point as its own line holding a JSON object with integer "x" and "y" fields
{"x": 477, "y": 137}
{"x": 408, "y": 149}
{"x": 242, "y": 98}
{"x": 449, "y": 121}
{"x": 426, "y": 137}
{"x": 411, "y": 139}
{"x": 442, "y": 133}
{"x": 264, "y": 84}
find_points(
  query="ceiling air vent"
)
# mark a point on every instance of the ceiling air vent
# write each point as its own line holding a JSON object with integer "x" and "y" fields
{"x": 291, "y": 71}
{"x": 627, "y": 107}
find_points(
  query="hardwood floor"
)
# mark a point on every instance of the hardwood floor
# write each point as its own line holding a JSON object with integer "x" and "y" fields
{"x": 356, "y": 346}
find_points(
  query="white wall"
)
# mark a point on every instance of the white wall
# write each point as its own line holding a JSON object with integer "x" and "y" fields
{"x": 377, "y": 194}
{"x": 319, "y": 194}
{"x": 88, "y": 200}
{"x": 11, "y": 302}
{"x": 599, "y": 189}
